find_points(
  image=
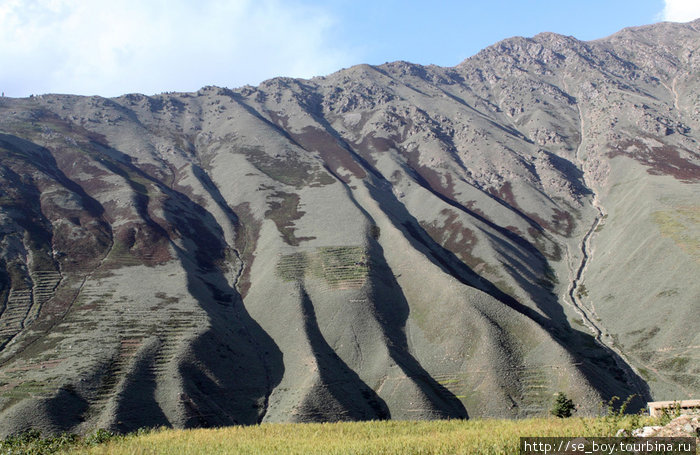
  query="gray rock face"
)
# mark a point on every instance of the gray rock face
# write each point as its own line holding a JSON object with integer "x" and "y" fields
{"x": 391, "y": 241}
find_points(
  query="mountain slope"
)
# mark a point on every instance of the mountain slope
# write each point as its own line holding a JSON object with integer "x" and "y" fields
{"x": 393, "y": 241}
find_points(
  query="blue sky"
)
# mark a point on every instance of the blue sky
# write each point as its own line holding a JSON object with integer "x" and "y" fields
{"x": 447, "y": 32}
{"x": 112, "y": 47}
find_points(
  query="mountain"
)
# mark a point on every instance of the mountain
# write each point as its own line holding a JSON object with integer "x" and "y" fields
{"x": 394, "y": 241}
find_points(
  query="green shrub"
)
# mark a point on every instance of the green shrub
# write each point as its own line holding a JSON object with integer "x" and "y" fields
{"x": 615, "y": 419}
{"x": 99, "y": 436}
{"x": 32, "y": 443}
{"x": 668, "y": 414}
{"x": 563, "y": 406}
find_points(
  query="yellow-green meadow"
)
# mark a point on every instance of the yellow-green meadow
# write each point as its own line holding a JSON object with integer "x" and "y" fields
{"x": 477, "y": 436}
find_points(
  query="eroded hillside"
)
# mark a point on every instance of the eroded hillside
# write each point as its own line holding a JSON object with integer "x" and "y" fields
{"x": 388, "y": 241}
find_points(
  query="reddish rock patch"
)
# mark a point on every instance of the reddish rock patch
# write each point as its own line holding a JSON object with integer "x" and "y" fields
{"x": 453, "y": 236}
{"x": 333, "y": 154}
{"x": 662, "y": 160}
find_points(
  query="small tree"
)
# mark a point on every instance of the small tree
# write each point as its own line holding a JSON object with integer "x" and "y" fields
{"x": 563, "y": 406}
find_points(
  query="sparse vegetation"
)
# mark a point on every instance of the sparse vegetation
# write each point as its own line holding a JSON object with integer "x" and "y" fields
{"x": 32, "y": 442}
{"x": 676, "y": 364}
{"x": 289, "y": 169}
{"x": 579, "y": 322}
{"x": 344, "y": 265}
{"x": 292, "y": 267}
{"x": 667, "y": 293}
{"x": 645, "y": 336}
{"x": 582, "y": 291}
{"x": 644, "y": 373}
{"x": 668, "y": 414}
{"x": 677, "y": 224}
{"x": 615, "y": 418}
{"x": 339, "y": 266}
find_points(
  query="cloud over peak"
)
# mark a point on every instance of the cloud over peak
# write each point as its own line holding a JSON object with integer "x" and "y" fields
{"x": 118, "y": 46}
{"x": 681, "y": 10}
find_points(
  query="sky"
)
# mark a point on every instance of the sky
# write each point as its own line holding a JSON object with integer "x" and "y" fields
{"x": 113, "y": 47}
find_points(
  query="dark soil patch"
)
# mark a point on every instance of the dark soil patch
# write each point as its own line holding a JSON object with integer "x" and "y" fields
{"x": 284, "y": 210}
{"x": 453, "y": 236}
{"x": 333, "y": 154}
{"x": 247, "y": 234}
{"x": 663, "y": 160}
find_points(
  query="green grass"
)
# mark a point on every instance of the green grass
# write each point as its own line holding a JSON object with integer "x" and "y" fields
{"x": 292, "y": 267}
{"x": 678, "y": 225}
{"x": 340, "y": 266}
{"x": 26, "y": 389}
{"x": 481, "y": 436}
{"x": 33, "y": 443}
{"x": 675, "y": 364}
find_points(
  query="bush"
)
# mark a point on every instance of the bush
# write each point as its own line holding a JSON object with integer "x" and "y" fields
{"x": 31, "y": 442}
{"x": 563, "y": 406}
{"x": 615, "y": 421}
{"x": 99, "y": 436}
{"x": 668, "y": 414}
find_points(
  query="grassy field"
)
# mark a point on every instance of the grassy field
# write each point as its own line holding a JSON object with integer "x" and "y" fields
{"x": 478, "y": 436}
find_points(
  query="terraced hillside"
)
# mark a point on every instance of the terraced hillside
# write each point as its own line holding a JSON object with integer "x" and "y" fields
{"x": 393, "y": 241}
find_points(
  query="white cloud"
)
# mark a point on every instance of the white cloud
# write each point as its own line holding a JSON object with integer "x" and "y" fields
{"x": 110, "y": 47}
{"x": 681, "y": 10}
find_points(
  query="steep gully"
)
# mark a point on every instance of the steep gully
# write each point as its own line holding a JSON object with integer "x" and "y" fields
{"x": 574, "y": 291}
{"x": 232, "y": 219}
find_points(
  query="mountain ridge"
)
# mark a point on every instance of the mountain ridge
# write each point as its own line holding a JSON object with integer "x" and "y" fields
{"x": 386, "y": 241}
